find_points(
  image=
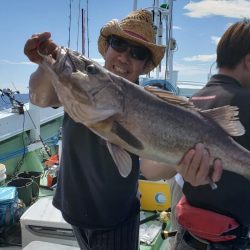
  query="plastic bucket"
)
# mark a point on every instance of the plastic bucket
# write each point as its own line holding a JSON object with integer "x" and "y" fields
{"x": 24, "y": 189}
{"x": 35, "y": 176}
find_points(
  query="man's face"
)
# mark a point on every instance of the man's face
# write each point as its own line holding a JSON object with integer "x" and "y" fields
{"x": 123, "y": 63}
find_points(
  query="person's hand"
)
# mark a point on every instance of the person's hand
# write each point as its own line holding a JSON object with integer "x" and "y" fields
{"x": 195, "y": 169}
{"x": 39, "y": 42}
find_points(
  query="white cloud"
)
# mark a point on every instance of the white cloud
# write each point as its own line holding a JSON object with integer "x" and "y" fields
{"x": 215, "y": 39}
{"x": 3, "y": 61}
{"x": 200, "y": 58}
{"x": 192, "y": 72}
{"x": 190, "y": 69}
{"x": 196, "y": 73}
{"x": 226, "y": 8}
{"x": 177, "y": 27}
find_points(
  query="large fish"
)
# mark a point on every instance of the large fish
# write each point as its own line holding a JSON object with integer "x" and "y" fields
{"x": 132, "y": 119}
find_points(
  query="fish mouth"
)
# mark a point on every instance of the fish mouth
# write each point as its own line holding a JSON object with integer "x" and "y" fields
{"x": 66, "y": 60}
{"x": 77, "y": 62}
{"x": 71, "y": 59}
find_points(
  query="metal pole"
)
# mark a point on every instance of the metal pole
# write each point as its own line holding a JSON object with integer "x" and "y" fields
{"x": 170, "y": 26}
{"x": 83, "y": 32}
{"x": 157, "y": 24}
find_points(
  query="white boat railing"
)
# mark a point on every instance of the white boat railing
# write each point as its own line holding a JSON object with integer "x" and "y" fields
{"x": 12, "y": 124}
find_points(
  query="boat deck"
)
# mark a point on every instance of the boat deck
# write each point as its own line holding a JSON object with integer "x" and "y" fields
{"x": 11, "y": 239}
{"x": 13, "y": 235}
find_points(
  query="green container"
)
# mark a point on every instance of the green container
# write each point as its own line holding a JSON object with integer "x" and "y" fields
{"x": 35, "y": 176}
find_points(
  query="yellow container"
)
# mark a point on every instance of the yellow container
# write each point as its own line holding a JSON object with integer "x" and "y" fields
{"x": 155, "y": 195}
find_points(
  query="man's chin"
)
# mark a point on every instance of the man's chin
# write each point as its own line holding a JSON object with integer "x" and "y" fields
{"x": 124, "y": 75}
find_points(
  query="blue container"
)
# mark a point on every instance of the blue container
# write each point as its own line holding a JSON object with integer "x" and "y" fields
{"x": 8, "y": 205}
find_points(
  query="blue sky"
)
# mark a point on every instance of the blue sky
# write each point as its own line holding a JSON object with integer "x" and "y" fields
{"x": 198, "y": 26}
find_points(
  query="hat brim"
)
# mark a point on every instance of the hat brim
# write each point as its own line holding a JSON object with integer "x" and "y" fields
{"x": 113, "y": 28}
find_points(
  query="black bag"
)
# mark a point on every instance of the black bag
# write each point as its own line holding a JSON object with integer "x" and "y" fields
{"x": 231, "y": 198}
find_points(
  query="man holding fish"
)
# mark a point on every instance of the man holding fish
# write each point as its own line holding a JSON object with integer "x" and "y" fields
{"x": 98, "y": 199}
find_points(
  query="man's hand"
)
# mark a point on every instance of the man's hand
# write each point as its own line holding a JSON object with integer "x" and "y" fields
{"x": 195, "y": 169}
{"x": 42, "y": 43}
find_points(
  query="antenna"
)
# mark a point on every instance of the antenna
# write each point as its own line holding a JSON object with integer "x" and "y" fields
{"x": 69, "y": 22}
{"x": 88, "y": 24}
{"x": 78, "y": 23}
{"x": 83, "y": 31}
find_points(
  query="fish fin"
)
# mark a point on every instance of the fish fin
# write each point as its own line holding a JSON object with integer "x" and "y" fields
{"x": 169, "y": 97}
{"x": 121, "y": 158}
{"x": 227, "y": 118}
{"x": 97, "y": 115}
{"x": 126, "y": 136}
{"x": 87, "y": 114}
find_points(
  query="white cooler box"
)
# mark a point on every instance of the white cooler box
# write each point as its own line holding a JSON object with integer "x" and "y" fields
{"x": 43, "y": 222}
{"x": 41, "y": 245}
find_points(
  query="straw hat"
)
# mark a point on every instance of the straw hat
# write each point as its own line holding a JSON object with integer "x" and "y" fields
{"x": 137, "y": 27}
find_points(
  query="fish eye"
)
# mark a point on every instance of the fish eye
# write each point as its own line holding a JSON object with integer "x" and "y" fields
{"x": 91, "y": 69}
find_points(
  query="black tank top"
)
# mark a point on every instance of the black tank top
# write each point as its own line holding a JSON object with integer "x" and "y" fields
{"x": 90, "y": 192}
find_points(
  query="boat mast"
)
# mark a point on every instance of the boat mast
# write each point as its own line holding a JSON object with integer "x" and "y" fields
{"x": 83, "y": 31}
{"x": 162, "y": 16}
{"x": 158, "y": 24}
{"x": 135, "y": 5}
{"x": 163, "y": 13}
{"x": 171, "y": 45}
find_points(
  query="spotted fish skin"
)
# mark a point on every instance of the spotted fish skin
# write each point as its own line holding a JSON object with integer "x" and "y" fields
{"x": 132, "y": 119}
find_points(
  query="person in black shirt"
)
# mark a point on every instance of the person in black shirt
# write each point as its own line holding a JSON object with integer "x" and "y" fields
{"x": 102, "y": 206}
{"x": 231, "y": 86}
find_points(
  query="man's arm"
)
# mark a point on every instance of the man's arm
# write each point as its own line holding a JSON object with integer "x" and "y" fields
{"x": 41, "y": 90}
{"x": 154, "y": 171}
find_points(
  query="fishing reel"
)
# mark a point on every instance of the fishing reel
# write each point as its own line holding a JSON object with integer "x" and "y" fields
{"x": 165, "y": 219}
{"x": 17, "y": 106}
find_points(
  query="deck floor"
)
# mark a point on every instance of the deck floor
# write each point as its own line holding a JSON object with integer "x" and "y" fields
{"x": 10, "y": 238}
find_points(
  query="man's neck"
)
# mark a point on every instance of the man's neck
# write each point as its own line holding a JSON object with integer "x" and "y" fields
{"x": 234, "y": 73}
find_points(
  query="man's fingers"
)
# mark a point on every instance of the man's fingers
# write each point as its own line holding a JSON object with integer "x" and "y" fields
{"x": 36, "y": 40}
{"x": 217, "y": 170}
{"x": 41, "y": 42}
{"x": 198, "y": 168}
{"x": 184, "y": 164}
{"x": 203, "y": 169}
{"x": 30, "y": 45}
{"x": 195, "y": 167}
{"x": 47, "y": 47}
{"x": 42, "y": 36}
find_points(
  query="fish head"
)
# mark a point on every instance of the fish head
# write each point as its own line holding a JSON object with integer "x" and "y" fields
{"x": 72, "y": 67}
{"x": 86, "y": 75}
{"x": 81, "y": 82}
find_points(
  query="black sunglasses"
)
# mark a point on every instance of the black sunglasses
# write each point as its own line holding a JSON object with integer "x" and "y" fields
{"x": 136, "y": 52}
